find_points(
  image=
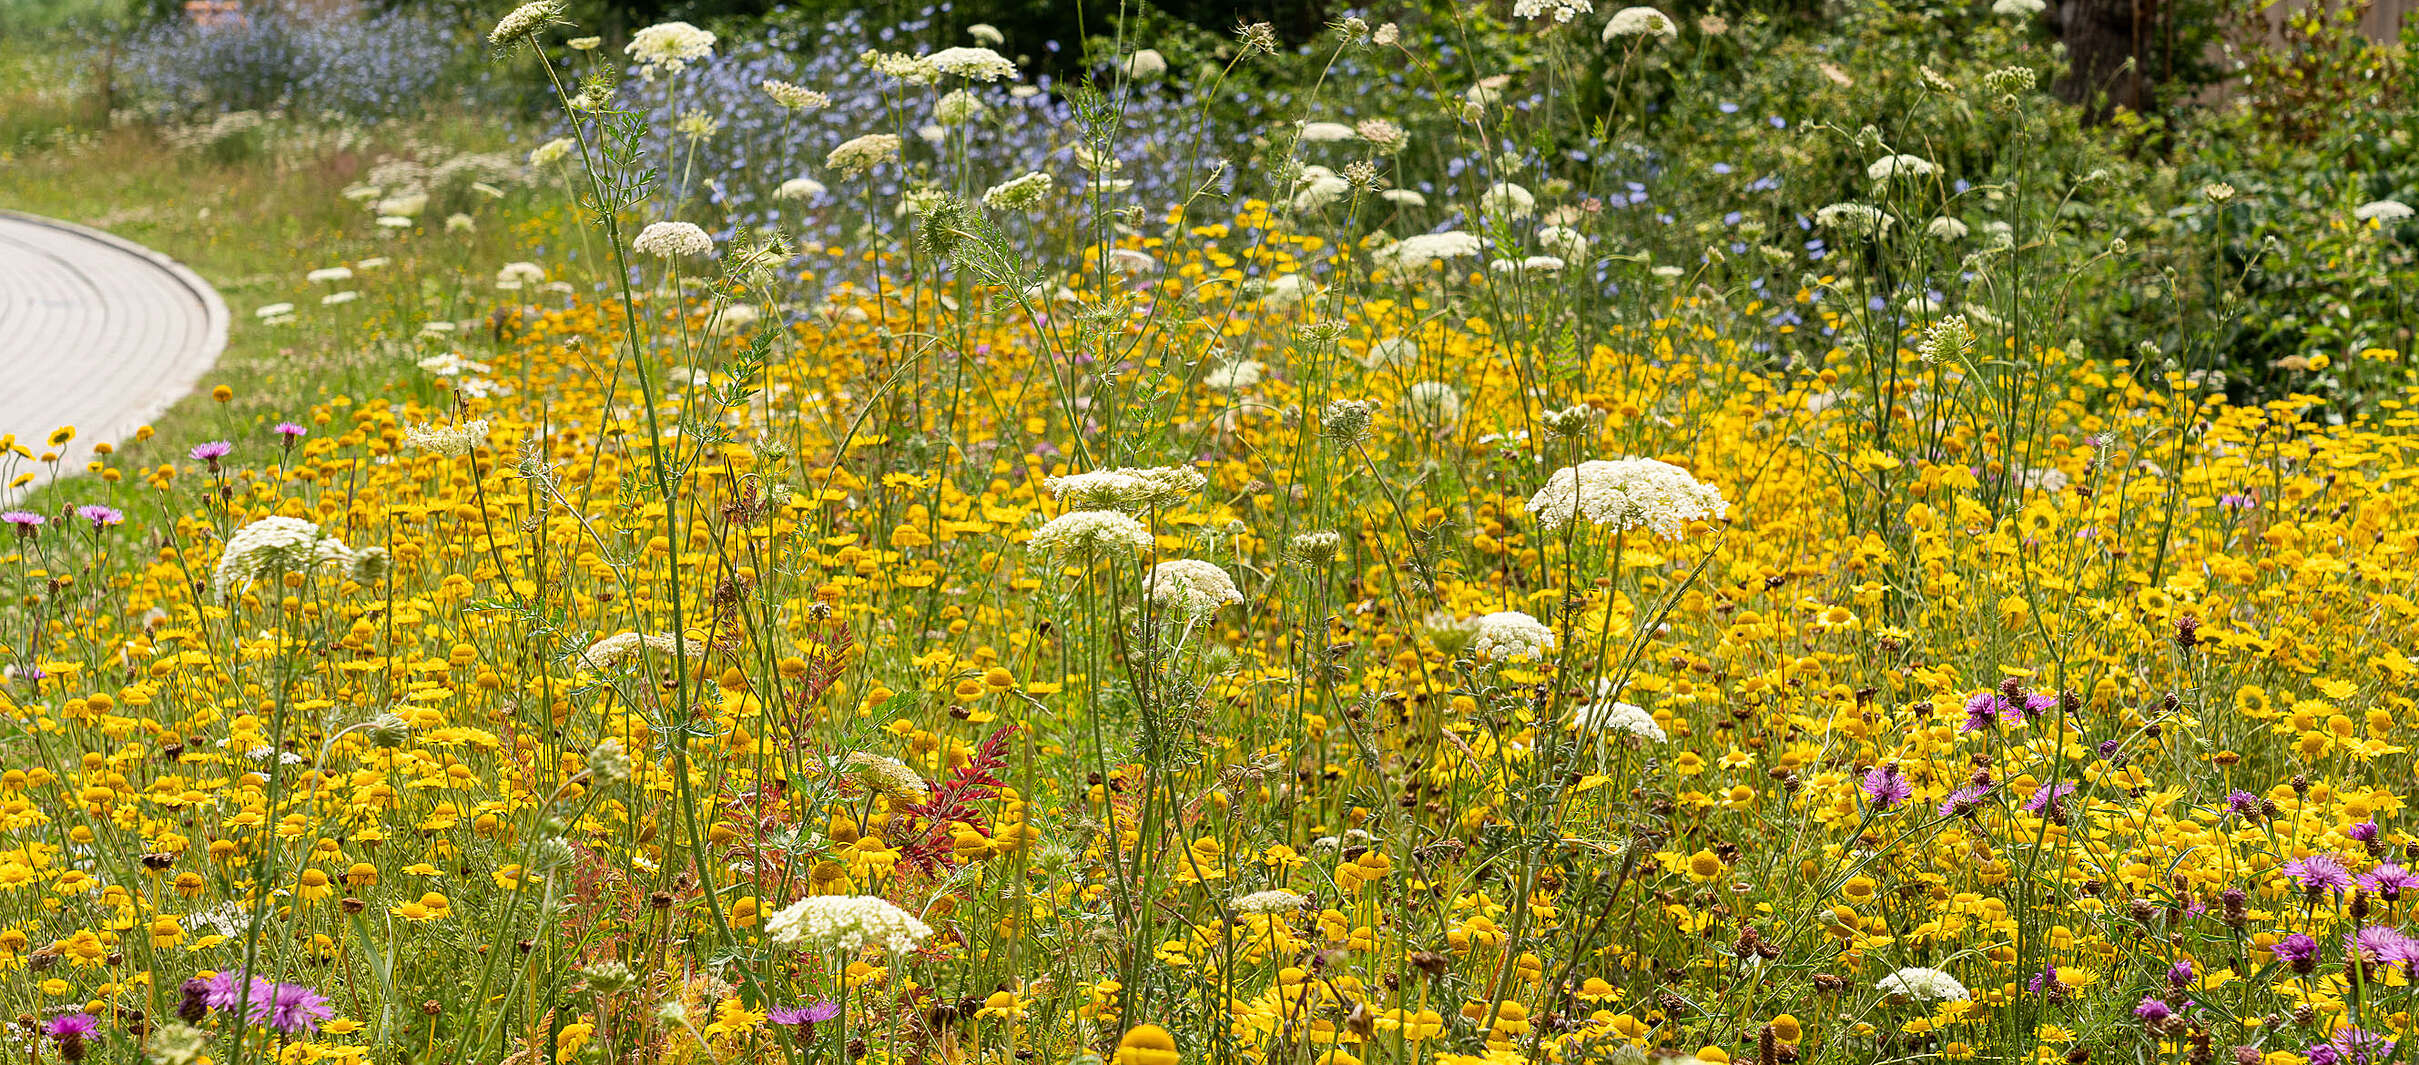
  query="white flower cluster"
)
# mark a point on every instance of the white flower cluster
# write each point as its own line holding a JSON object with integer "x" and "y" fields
{"x": 1386, "y": 137}
{"x": 973, "y": 64}
{"x": 1510, "y": 634}
{"x": 1923, "y": 984}
{"x": 796, "y": 97}
{"x": 1625, "y": 494}
{"x": 669, "y": 47}
{"x": 2382, "y": 211}
{"x": 860, "y": 154}
{"x": 524, "y": 21}
{"x": 1235, "y": 376}
{"x": 799, "y": 188}
{"x": 1640, "y": 22}
{"x": 1146, "y": 65}
{"x": 1561, "y": 10}
{"x": 1317, "y": 187}
{"x": 1289, "y": 291}
{"x": 1433, "y": 403}
{"x": 1018, "y": 194}
{"x": 616, "y": 649}
{"x": 552, "y": 152}
{"x": 1089, "y": 533}
{"x": 1190, "y": 588}
{"x": 1127, "y": 487}
{"x": 1507, "y": 199}
{"x": 273, "y": 546}
{"x": 1606, "y": 715}
{"x": 1326, "y": 132}
{"x": 1912, "y": 167}
{"x": 889, "y": 776}
{"x": 1273, "y": 901}
{"x": 451, "y": 441}
{"x": 847, "y": 923}
{"x": 1414, "y": 253}
{"x": 670, "y": 240}
{"x": 1860, "y": 220}
{"x": 1392, "y": 351}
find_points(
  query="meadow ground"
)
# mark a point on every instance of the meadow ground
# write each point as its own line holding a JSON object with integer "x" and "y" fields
{"x": 847, "y": 557}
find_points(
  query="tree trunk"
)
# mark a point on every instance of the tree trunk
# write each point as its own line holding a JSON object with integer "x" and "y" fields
{"x": 2108, "y": 45}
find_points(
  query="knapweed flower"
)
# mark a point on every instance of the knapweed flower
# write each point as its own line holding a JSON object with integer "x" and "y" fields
{"x": 672, "y": 240}
{"x": 2298, "y": 952}
{"x": 1964, "y": 800}
{"x": 290, "y": 432}
{"x": 1640, "y": 22}
{"x": 2152, "y": 1010}
{"x": 25, "y": 522}
{"x": 1923, "y": 985}
{"x": 1625, "y": 494}
{"x": 2318, "y": 873}
{"x": 1190, "y": 589}
{"x": 2388, "y": 881}
{"x": 294, "y": 1009}
{"x": 2351, "y": 1046}
{"x": 1087, "y": 534}
{"x": 73, "y": 1032}
{"x": 2047, "y": 794}
{"x": 846, "y": 923}
{"x": 1509, "y": 634}
{"x": 805, "y": 1015}
{"x": 100, "y": 515}
{"x": 669, "y": 47}
{"x": 1607, "y": 715}
{"x": 1886, "y": 788}
{"x": 2377, "y": 945}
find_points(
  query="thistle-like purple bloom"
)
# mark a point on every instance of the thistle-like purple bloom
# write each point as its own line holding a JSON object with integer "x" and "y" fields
{"x": 2379, "y": 945}
{"x": 25, "y": 522}
{"x": 2299, "y": 953}
{"x": 1987, "y": 707}
{"x": 2389, "y": 881}
{"x": 1886, "y": 788}
{"x": 2242, "y": 803}
{"x": 2364, "y": 832}
{"x": 71, "y": 1031}
{"x": 2319, "y": 872}
{"x": 211, "y": 452}
{"x": 1964, "y": 800}
{"x": 2151, "y": 1010}
{"x": 100, "y": 515}
{"x": 810, "y": 1013}
{"x": 2351, "y": 1046}
{"x": 2179, "y": 974}
{"x": 293, "y": 1008}
{"x": 290, "y": 431}
{"x": 2047, "y": 794}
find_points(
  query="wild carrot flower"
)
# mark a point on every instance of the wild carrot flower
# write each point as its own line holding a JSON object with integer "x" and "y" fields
{"x": 846, "y": 923}
{"x": 672, "y": 240}
{"x": 1923, "y": 985}
{"x": 1627, "y": 494}
{"x": 1510, "y": 634}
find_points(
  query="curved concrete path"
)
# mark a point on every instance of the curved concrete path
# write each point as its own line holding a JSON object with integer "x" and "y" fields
{"x": 96, "y": 332}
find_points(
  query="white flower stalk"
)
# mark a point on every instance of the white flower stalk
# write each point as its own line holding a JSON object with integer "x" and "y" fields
{"x": 1510, "y": 634}
{"x": 1089, "y": 534}
{"x": 552, "y": 152}
{"x": 1392, "y": 351}
{"x": 272, "y": 546}
{"x": 1189, "y": 588}
{"x": 669, "y": 48}
{"x": 1269, "y": 903}
{"x": 451, "y": 441}
{"x": 672, "y": 240}
{"x": 612, "y": 651}
{"x": 860, "y": 154}
{"x": 1317, "y": 188}
{"x": 799, "y": 188}
{"x": 2381, "y": 211}
{"x": 973, "y": 64}
{"x": 846, "y": 923}
{"x": 1129, "y": 488}
{"x": 1235, "y": 376}
{"x": 796, "y": 97}
{"x": 1606, "y": 715}
{"x": 1862, "y": 221}
{"x": 1923, "y": 985}
{"x": 1640, "y": 22}
{"x": 524, "y": 23}
{"x": 1627, "y": 494}
{"x": 1416, "y": 253}
{"x": 1911, "y": 167}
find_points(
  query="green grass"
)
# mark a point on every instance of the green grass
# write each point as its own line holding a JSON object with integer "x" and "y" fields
{"x": 253, "y": 214}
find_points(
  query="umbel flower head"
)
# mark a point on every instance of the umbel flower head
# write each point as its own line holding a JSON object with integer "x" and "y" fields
{"x": 1640, "y": 22}
{"x": 1088, "y": 534}
{"x": 846, "y": 923}
{"x": 973, "y": 64}
{"x": 1127, "y": 488}
{"x": 1510, "y": 634}
{"x": 524, "y": 23}
{"x": 860, "y": 154}
{"x": 451, "y": 441}
{"x": 671, "y": 240}
{"x": 1922, "y": 985}
{"x": 1625, "y": 494}
{"x": 1190, "y": 588}
{"x": 272, "y": 546}
{"x": 616, "y": 649}
{"x": 669, "y": 47}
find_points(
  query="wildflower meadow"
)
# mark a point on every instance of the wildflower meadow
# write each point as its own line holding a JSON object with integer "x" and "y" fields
{"x": 1477, "y": 533}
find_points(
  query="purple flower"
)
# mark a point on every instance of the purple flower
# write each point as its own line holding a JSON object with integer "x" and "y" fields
{"x": 99, "y": 515}
{"x": 2037, "y": 704}
{"x": 1964, "y": 800}
{"x": 1986, "y": 707}
{"x": 2179, "y": 974}
{"x": 2389, "y": 881}
{"x": 2379, "y": 945}
{"x": 2299, "y": 953}
{"x": 2319, "y": 872}
{"x": 71, "y": 1030}
{"x": 25, "y": 521}
{"x": 2243, "y": 803}
{"x": 2152, "y": 1011}
{"x": 2351, "y": 1046}
{"x": 294, "y": 1008}
{"x": 2364, "y": 832}
{"x": 290, "y": 431}
{"x": 2046, "y": 794}
{"x": 810, "y": 1013}
{"x": 230, "y": 989}
{"x": 211, "y": 452}
{"x": 1886, "y": 788}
